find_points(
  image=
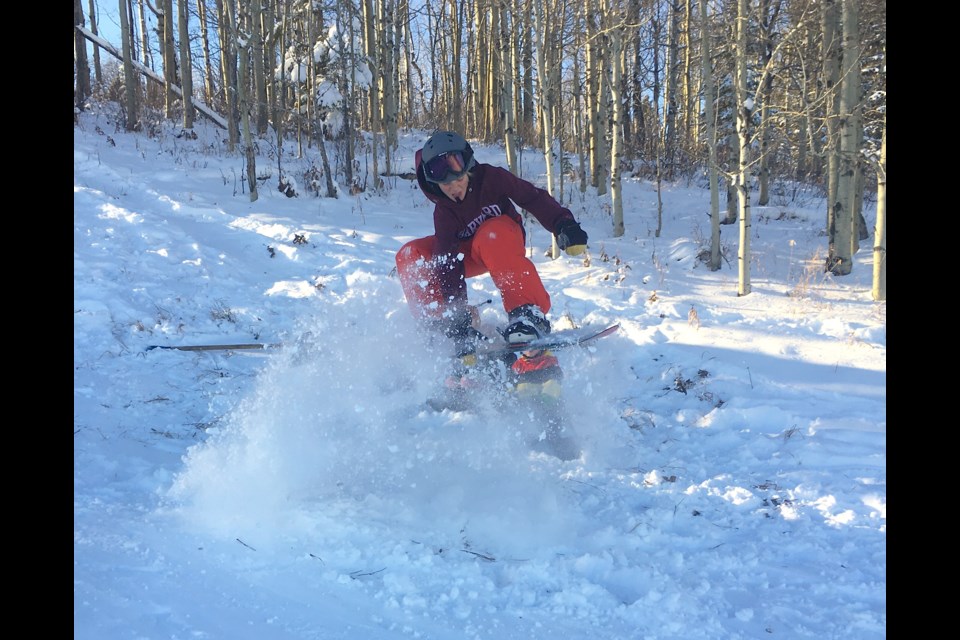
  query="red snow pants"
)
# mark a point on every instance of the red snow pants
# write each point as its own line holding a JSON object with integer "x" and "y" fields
{"x": 496, "y": 248}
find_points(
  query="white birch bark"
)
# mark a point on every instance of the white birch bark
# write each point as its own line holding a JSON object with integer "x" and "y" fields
{"x": 879, "y": 290}
{"x": 744, "y": 110}
{"x": 709, "y": 91}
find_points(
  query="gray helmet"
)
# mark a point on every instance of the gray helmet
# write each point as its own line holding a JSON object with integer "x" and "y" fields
{"x": 446, "y": 142}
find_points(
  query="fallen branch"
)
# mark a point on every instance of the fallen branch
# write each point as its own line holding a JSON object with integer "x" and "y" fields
{"x": 216, "y": 347}
{"x": 202, "y": 108}
{"x": 480, "y": 555}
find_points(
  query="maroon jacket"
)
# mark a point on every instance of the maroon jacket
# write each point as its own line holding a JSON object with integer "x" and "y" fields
{"x": 492, "y": 192}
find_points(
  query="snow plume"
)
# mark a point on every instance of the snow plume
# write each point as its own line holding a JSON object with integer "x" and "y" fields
{"x": 339, "y": 420}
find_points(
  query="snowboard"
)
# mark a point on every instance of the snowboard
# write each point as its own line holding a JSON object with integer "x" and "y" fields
{"x": 560, "y": 339}
{"x": 550, "y": 437}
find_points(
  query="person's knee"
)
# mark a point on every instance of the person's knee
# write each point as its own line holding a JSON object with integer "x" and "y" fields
{"x": 404, "y": 254}
{"x": 409, "y": 254}
{"x": 501, "y": 232}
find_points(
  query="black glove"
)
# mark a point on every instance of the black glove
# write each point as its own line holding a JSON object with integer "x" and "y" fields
{"x": 570, "y": 237}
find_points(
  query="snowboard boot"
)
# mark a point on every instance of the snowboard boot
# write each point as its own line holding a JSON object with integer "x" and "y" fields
{"x": 527, "y": 322}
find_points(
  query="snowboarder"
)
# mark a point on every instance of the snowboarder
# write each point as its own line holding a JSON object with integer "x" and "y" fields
{"x": 478, "y": 230}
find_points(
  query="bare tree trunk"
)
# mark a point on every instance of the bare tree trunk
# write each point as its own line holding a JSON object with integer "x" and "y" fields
{"x": 615, "y": 29}
{"x": 830, "y": 21}
{"x": 808, "y": 150}
{"x": 668, "y": 134}
{"x": 433, "y": 42}
{"x": 658, "y": 127}
{"x": 527, "y": 116}
{"x": 853, "y": 76}
{"x": 688, "y": 112}
{"x": 129, "y": 78}
{"x": 841, "y": 260}
{"x": 516, "y": 25}
{"x": 405, "y": 50}
{"x": 209, "y": 88}
{"x": 400, "y": 20}
{"x": 547, "y": 94}
{"x": 639, "y": 131}
{"x": 578, "y": 122}
{"x": 455, "y": 97}
{"x": 243, "y": 95}
{"x": 769, "y": 11}
{"x": 228, "y": 66}
{"x": 480, "y": 71}
{"x": 97, "y": 70}
{"x": 272, "y": 51}
{"x": 155, "y": 92}
{"x": 879, "y": 290}
{"x": 165, "y": 26}
{"x": 860, "y": 231}
{"x": 388, "y": 76}
{"x": 146, "y": 55}
{"x": 709, "y": 90}
{"x": 318, "y": 126}
{"x": 496, "y": 70}
{"x": 348, "y": 88}
{"x": 372, "y": 10}
{"x": 602, "y": 114}
{"x": 278, "y": 104}
{"x": 186, "y": 65}
{"x": 744, "y": 110}
{"x": 81, "y": 89}
{"x": 259, "y": 104}
{"x": 596, "y": 92}
{"x": 507, "y": 79}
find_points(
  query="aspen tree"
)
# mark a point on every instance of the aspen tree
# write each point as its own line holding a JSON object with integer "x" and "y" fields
{"x": 81, "y": 88}
{"x": 615, "y": 29}
{"x": 840, "y": 260}
{"x": 507, "y": 79}
{"x": 186, "y": 66}
{"x": 166, "y": 27}
{"x": 209, "y": 86}
{"x": 228, "y": 68}
{"x": 709, "y": 90}
{"x": 243, "y": 95}
{"x": 130, "y": 81}
{"x": 879, "y": 290}
{"x": 92, "y": 16}
{"x": 830, "y": 77}
{"x": 744, "y": 112}
{"x": 769, "y": 11}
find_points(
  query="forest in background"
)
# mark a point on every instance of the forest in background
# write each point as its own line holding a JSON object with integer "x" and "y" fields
{"x": 753, "y": 97}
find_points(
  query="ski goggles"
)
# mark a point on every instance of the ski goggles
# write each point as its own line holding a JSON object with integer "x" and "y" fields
{"x": 445, "y": 167}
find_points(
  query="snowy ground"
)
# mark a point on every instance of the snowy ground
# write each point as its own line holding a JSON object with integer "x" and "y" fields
{"x": 733, "y": 476}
